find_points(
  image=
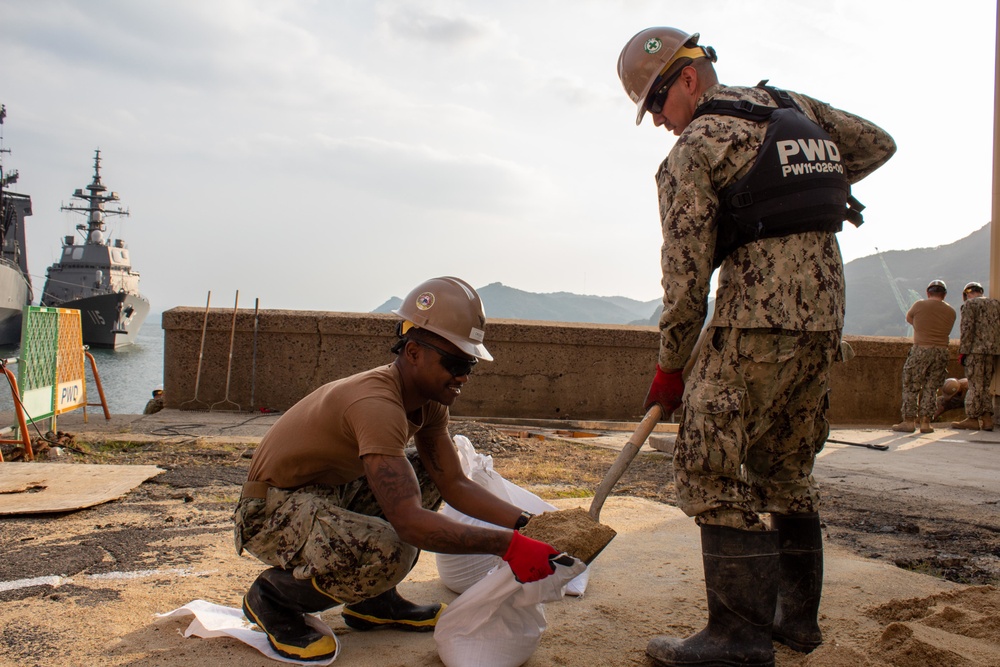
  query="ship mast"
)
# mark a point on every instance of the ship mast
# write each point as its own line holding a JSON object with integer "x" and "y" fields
{"x": 11, "y": 177}
{"x": 95, "y": 210}
{"x": 6, "y": 213}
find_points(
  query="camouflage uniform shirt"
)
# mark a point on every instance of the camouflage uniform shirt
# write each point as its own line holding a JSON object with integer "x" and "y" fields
{"x": 793, "y": 282}
{"x": 980, "y": 343}
{"x": 980, "y": 327}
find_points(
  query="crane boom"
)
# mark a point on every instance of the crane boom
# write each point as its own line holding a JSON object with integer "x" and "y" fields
{"x": 903, "y": 306}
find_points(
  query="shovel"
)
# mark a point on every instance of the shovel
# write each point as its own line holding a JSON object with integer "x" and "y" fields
{"x": 642, "y": 432}
{"x": 628, "y": 453}
{"x": 578, "y": 532}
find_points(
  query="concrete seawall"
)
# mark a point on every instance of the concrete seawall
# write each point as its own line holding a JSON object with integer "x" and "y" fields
{"x": 543, "y": 370}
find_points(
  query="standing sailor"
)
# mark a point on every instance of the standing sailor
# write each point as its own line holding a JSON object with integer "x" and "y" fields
{"x": 758, "y": 182}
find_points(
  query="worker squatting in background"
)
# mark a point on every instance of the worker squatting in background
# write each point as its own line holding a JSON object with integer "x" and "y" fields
{"x": 952, "y": 395}
{"x": 156, "y": 403}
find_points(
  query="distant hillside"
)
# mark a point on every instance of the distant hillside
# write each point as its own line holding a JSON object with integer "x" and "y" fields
{"x": 510, "y": 303}
{"x": 873, "y": 308}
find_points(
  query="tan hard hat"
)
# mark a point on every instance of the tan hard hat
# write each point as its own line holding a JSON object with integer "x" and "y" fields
{"x": 972, "y": 287}
{"x": 648, "y": 56}
{"x": 452, "y": 309}
{"x": 950, "y": 387}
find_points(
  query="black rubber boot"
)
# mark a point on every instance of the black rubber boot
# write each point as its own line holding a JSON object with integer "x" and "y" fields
{"x": 800, "y": 581}
{"x": 391, "y": 610}
{"x": 276, "y": 602}
{"x": 741, "y": 580}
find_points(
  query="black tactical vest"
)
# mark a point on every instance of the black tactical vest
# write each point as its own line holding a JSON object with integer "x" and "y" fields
{"x": 796, "y": 184}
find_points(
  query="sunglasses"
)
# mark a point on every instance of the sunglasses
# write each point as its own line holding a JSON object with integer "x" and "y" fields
{"x": 454, "y": 364}
{"x": 655, "y": 102}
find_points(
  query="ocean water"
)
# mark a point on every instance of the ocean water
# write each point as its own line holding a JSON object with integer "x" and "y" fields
{"x": 128, "y": 375}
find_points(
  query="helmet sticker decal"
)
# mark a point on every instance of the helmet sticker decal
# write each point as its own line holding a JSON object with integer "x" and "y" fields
{"x": 652, "y": 45}
{"x": 425, "y": 301}
{"x": 477, "y": 334}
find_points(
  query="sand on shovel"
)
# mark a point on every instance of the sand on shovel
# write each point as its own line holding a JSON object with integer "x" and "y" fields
{"x": 572, "y": 530}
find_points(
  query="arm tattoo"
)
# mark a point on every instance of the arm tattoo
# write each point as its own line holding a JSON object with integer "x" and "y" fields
{"x": 393, "y": 484}
{"x": 463, "y": 539}
{"x": 429, "y": 455}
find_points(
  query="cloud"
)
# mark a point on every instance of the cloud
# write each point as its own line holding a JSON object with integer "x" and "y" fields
{"x": 437, "y": 27}
{"x": 424, "y": 177}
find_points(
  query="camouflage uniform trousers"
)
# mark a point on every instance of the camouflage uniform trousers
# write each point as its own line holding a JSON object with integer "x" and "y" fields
{"x": 754, "y": 419}
{"x": 925, "y": 370}
{"x": 337, "y": 535}
{"x": 979, "y": 370}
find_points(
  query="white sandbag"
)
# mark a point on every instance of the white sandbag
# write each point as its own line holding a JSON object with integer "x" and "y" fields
{"x": 499, "y": 621}
{"x": 460, "y": 571}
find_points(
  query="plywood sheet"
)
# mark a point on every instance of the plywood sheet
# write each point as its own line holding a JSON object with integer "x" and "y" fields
{"x": 34, "y": 488}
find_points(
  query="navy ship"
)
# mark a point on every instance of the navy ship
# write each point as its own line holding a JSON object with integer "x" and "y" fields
{"x": 15, "y": 281}
{"x": 96, "y": 276}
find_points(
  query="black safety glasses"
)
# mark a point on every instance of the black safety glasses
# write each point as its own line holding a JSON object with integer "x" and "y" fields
{"x": 655, "y": 101}
{"x": 454, "y": 364}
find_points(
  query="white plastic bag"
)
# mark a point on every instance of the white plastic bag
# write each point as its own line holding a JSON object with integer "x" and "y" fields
{"x": 461, "y": 571}
{"x": 499, "y": 621}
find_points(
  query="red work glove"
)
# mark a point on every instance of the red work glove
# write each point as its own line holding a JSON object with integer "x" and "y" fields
{"x": 529, "y": 559}
{"x": 667, "y": 390}
{"x": 961, "y": 359}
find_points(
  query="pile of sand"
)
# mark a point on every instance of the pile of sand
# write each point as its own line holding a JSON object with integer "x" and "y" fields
{"x": 572, "y": 531}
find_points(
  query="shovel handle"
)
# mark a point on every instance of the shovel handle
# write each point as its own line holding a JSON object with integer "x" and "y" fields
{"x": 628, "y": 453}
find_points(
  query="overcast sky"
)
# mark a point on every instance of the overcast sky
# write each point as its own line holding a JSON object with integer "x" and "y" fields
{"x": 327, "y": 155}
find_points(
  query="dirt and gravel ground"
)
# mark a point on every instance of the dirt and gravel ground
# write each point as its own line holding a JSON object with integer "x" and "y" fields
{"x": 163, "y": 522}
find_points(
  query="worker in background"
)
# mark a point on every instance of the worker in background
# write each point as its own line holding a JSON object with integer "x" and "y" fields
{"x": 154, "y": 404}
{"x": 952, "y": 395}
{"x": 926, "y": 365}
{"x": 340, "y": 508}
{"x": 758, "y": 184}
{"x": 977, "y": 350}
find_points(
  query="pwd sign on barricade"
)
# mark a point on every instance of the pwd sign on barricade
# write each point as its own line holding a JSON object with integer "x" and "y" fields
{"x": 70, "y": 395}
{"x": 51, "y": 369}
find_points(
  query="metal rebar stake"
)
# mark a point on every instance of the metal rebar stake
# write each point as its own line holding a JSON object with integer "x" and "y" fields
{"x": 201, "y": 352}
{"x": 229, "y": 367}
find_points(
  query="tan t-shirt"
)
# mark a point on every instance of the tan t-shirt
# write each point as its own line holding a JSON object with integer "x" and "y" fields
{"x": 320, "y": 439}
{"x": 932, "y": 321}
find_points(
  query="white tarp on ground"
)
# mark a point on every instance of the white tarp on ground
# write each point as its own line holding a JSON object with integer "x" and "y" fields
{"x": 212, "y": 620}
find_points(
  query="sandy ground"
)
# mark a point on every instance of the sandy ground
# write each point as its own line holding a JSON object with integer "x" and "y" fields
{"x": 872, "y": 613}
{"x": 83, "y": 588}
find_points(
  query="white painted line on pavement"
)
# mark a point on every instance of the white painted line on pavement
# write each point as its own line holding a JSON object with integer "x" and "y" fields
{"x": 142, "y": 574}
{"x": 34, "y": 581}
{"x": 56, "y": 581}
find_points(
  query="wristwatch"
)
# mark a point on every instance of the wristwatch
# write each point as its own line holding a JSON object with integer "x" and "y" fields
{"x": 523, "y": 520}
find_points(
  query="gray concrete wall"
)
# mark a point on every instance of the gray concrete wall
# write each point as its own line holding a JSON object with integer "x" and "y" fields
{"x": 543, "y": 370}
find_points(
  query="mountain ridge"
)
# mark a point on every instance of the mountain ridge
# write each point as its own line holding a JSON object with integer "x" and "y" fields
{"x": 880, "y": 288}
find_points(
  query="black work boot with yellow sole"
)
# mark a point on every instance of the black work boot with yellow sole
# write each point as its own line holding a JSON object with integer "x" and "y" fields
{"x": 391, "y": 610}
{"x": 276, "y": 602}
